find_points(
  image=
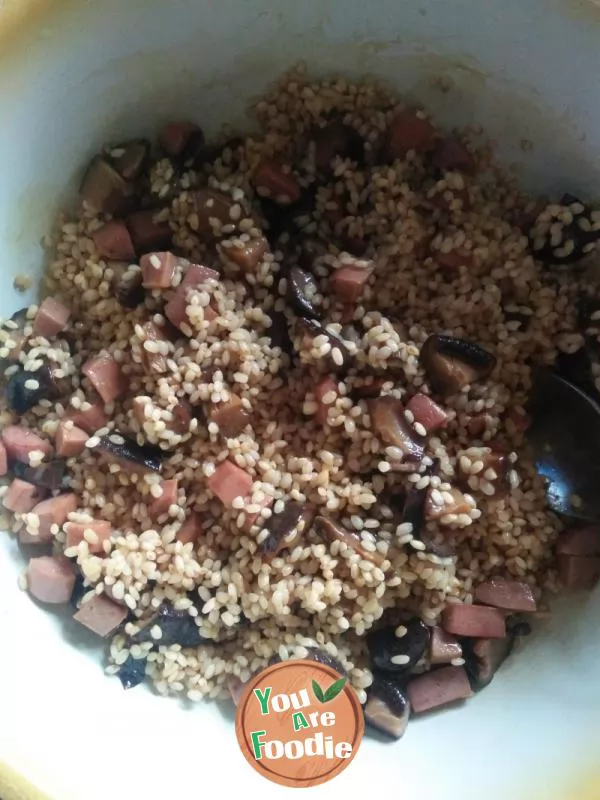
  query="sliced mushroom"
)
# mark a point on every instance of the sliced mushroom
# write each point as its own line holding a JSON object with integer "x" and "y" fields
{"x": 338, "y": 356}
{"x": 392, "y": 427}
{"x": 177, "y": 627}
{"x": 126, "y": 449}
{"x": 25, "y": 389}
{"x": 49, "y": 475}
{"x": 323, "y": 657}
{"x": 331, "y": 531}
{"x": 127, "y": 284}
{"x": 132, "y": 672}
{"x": 387, "y": 708}
{"x": 451, "y": 364}
{"x": 393, "y": 654}
{"x": 484, "y": 657}
{"x": 565, "y": 232}
{"x": 415, "y": 512}
{"x": 337, "y": 139}
{"x": 130, "y": 158}
{"x": 104, "y": 190}
{"x": 302, "y": 289}
{"x": 213, "y": 210}
{"x": 459, "y": 505}
{"x": 286, "y": 528}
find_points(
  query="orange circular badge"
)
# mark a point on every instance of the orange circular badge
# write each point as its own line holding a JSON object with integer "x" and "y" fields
{"x": 299, "y": 723}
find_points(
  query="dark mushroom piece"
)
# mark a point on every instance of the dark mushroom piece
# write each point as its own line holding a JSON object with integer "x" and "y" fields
{"x": 126, "y": 449}
{"x": 322, "y": 657}
{"x": 387, "y": 708}
{"x": 484, "y": 657}
{"x": 332, "y": 531}
{"x": 280, "y": 219}
{"x": 127, "y": 284}
{"x": 49, "y": 475}
{"x": 286, "y": 528}
{"x": 177, "y": 627}
{"x": 451, "y": 364}
{"x": 104, "y": 190}
{"x": 25, "y": 389}
{"x": 279, "y": 332}
{"x": 339, "y": 356}
{"x": 392, "y": 427}
{"x": 415, "y": 512}
{"x": 392, "y": 654}
{"x": 337, "y": 139}
{"x": 132, "y": 672}
{"x": 565, "y": 232}
{"x": 130, "y": 158}
{"x": 301, "y": 290}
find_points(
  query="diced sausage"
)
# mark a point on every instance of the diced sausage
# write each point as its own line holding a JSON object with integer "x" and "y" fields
{"x": 160, "y": 505}
{"x": 213, "y": 210}
{"x": 54, "y": 511}
{"x": 101, "y": 615}
{"x": 175, "y": 137}
{"x": 3, "y": 460}
{"x": 479, "y": 622}
{"x": 348, "y": 283}
{"x": 158, "y": 269}
{"x": 409, "y": 131}
{"x": 113, "y": 241}
{"x": 21, "y": 497}
{"x": 231, "y": 416}
{"x": 452, "y": 154}
{"x": 510, "y": 595}
{"x": 245, "y": 255}
{"x": 98, "y": 532}
{"x": 229, "y": 481}
{"x": 19, "y": 442}
{"x": 153, "y": 362}
{"x": 273, "y": 180}
{"x": 70, "y": 441}
{"x": 438, "y": 688}
{"x": 427, "y": 412}
{"x": 578, "y": 572}
{"x": 51, "y": 318}
{"x": 443, "y": 647}
{"x": 250, "y": 519}
{"x": 191, "y": 530}
{"x": 130, "y": 158}
{"x": 147, "y": 233}
{"x": 453, "y": 260}
{"x": 89, "y": 419}
{"x": 326, "y": 388}
{"x": 105, "y": 376}
{"x": 51, "y": 579}
{"x": 580, "y": 541}
{"x": 103, "y": 189}
{"x": 175, "y": 310}
{"x": 182, "y": 416}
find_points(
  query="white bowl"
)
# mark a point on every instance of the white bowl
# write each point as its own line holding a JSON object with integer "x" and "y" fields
{"x": 75, "y": 74}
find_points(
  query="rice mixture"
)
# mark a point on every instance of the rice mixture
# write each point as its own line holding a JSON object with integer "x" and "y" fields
{"x": 267, "y": 464}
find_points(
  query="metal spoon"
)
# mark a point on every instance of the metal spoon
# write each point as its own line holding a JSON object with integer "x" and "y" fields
{"x": 565, "y": 439}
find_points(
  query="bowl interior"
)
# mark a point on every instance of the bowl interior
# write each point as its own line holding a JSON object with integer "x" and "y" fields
{"x": 78, "y": 75}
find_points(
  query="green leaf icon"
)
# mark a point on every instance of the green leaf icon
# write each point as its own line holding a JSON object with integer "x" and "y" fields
{"x": 334, "y": 690}
{"x": 318, "y": 692}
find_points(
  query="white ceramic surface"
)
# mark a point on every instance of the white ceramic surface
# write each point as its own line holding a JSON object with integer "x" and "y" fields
{"x": 82, "y": 73}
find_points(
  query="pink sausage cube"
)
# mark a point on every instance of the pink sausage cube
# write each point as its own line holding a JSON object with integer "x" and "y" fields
{"x": 114, "y": 242}
{"x": 101, "y": 615}
{"x": 100, "y": 528}
{"x": 3, "y": 459}
{"x": 348, "y": 283}
{"x": 578, "y": 572}
{"x": 479, "y": 622}
{"x": 19, "y": 442}
{"x": 191, "y": 530}
{"x": 250, "y": 519}
{"x": 438, "y": 688}
{"x": 147, "y": 233}
{"x": 427, "y": 412}
{"x": 581, "y": 541}
{"x": 175, "y": 309}
{"x": 510, "y": 595}
{"x": 228, "y": 482}
{"x": 443, "y": 647}
{"x": 21, "y": 496}
{"x": 51, "y": 318}
{"x": 50, "y": 579}
{"x": 325, "y": 387}
{"x": 105, "y": 376}
{"x": 70, "y": 441}
{"x": 160, "y": 505}
{"x": 175, "y": 136}
{"x": 54, "y": 511}
{"x": 90, "y": 420}
{"x": 158, "y": 270}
